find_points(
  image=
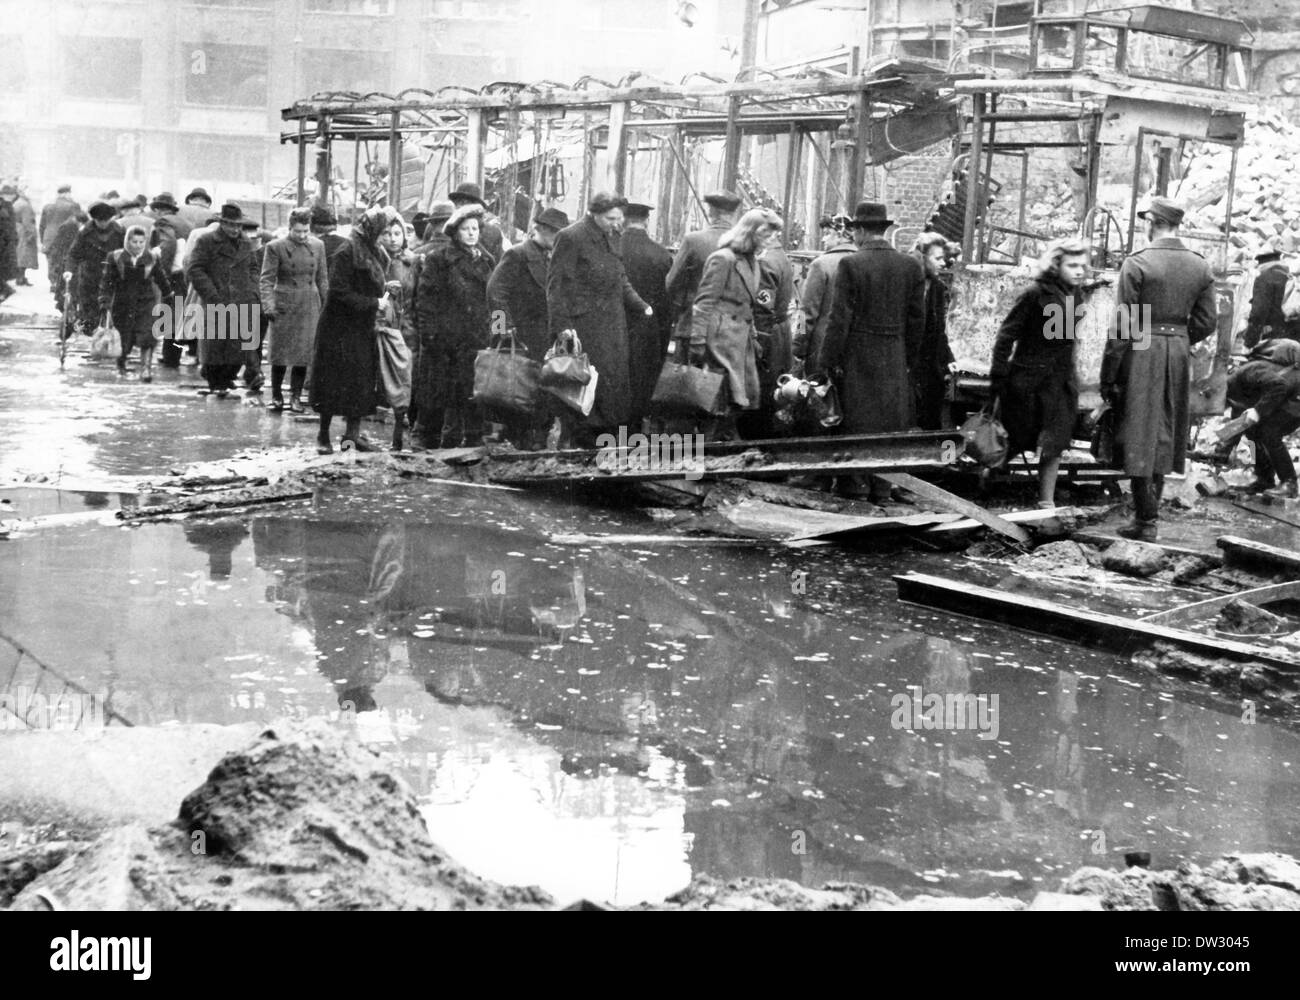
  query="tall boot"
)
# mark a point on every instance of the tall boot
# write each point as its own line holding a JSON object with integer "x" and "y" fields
{"x": 399, "y": 427}
{"x": 323, "y": 446}
{"x": 297, "y": 378}
{"x": 146, "y": 364}
{"x": 1146, "y": 511}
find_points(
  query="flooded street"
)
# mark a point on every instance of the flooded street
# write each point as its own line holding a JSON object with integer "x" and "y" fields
{"x": 609, "y": 721}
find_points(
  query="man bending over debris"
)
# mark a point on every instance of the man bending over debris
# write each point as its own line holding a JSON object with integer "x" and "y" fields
{"x": 1265, "y": 397}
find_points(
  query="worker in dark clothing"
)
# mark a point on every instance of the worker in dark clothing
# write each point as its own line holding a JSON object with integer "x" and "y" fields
{"x": 1266, "y": 319}
{"x": 1265, "y": 397}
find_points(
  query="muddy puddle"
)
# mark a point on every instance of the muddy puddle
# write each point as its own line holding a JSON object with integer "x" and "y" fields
{"x": 607, "y": 721}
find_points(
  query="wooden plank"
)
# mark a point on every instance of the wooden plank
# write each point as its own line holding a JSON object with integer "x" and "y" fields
{"x": 1088, "y": 628}
{"x": 1015, "y": 517}
{"x": 1239, "y": 550}
{"x": 650, "y": 540}
{"x": 1185, "y": 614}
{"x": 953, "y": 502}
{"x": 1264, "y": 512}
{"x": 793, "y": 524}
{"x": 1104, "y": 538}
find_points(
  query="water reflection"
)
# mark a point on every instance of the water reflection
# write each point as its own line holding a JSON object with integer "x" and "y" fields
{"x": 607, "y": 721}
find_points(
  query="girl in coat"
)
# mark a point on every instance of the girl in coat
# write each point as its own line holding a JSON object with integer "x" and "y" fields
{"x": 391, "y": 330}
{"x": 1033, "y": 362}
{"x": 127, "y": 293}
{"x": 451, "y": 307}
{"x": 346, "y": 359}
{"x": 722, "y": 317}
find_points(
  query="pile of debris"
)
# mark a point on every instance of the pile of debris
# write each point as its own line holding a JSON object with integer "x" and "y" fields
{"x": 1266, "y": 204}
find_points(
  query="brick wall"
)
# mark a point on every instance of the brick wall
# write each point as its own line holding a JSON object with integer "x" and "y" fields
{"x": 911, "y": 186}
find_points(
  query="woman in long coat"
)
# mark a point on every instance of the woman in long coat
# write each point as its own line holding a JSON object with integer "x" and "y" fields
{"x": 394, "y": 329}
{"x": 586, "y": 290}
{"x": 722, "y": 316}
{"x": 451, "y": 313}
{"x": 346, "y": 359}
{"x": 1033, "y": 362}
{"x": 25, "y": 219}
{"x": 127, "y": 293}
{"x": 294, "y": 285}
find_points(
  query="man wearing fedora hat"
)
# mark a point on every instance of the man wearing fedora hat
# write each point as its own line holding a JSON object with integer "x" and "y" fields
{"x": 431, "y": 236}
{"x": 224, "y": 270}
{"x": 517, "y": 297}
{"x": 647, "y": 265}
{"x": 91, "y": 247}
{"x": 1266, "y": 320}
{"x": 683, "y": 279}
{"x": 491, "y": 237}
{"x": 875, "y": 333}
{"x": 1167, "y": 290}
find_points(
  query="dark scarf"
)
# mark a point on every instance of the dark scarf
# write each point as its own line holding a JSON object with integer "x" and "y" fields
{"x": 367, "y": 254}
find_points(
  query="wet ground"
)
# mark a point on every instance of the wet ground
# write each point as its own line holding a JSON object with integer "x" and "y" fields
{"x": 607, "y": 721}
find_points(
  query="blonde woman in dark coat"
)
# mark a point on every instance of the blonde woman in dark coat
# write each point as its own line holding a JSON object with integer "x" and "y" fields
{"x": 722, "y": 317}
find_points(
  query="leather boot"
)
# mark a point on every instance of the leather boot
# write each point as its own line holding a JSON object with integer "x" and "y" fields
{"x": 1285, "y": 490}
{"x": 399, "y": 427}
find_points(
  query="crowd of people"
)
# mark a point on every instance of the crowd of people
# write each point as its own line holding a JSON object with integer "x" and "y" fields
{"x": 395, "y": 313}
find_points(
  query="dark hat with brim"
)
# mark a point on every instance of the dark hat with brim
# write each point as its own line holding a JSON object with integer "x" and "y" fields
{"x": 1162, "y": 210}
{"x": 552, "y": 218}
{"x": 165, "y": 202}
{"x": 198, "y": 193}
{"x": 8, "y": 189}
{"x": 64, "y": 189}
{"x": 230, "y": 212}
{"x": 1267, "y": 254}
{"x": 637, "y": 210}
{"x": 728, "y": 201}
{"x": 101, "y": 210}
{"x": 467, "y": 192}
{"x": 871, "y": 213}
{"x": 441, "y": 211}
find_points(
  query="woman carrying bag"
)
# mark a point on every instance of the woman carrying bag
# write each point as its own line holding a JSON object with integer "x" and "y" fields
{"x": 127, "y": 294}
{"x": 451, "y": 314}
{"x": 1033, "y": 362}
{"x": 722, "y": 317}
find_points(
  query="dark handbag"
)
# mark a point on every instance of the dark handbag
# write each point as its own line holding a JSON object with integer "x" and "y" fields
{"x": 686, "y": 390}
{"x": 505, "y": 379}
{"x": 1103, "y": 436}
{"x": 986, "y": 438}
{"x": 565, "y": 363}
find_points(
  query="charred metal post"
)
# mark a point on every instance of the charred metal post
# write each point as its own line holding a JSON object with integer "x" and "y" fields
{"x": 617, "y": 145}
{"x": 475, "y": 138}
{"x": 302, "y": 160}
{"x": 972, "y": 174}
{"x": 394, "y": 159}
{"x": 324, "y": 193}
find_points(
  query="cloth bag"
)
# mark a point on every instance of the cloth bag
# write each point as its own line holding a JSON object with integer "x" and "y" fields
{"x": 1102, "y": 443}
{"x": 106, "y": 342}
{"x": 505, "y": 378}
{"x": 686, "y": 390}
{"x": 986, "y": 438}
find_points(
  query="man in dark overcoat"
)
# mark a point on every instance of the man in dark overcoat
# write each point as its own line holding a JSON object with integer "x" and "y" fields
{"x": 875, "y": 333}
{"x": 1165, "y": 303}
{"x": 587, "y": 291}
{"x": 8, "y": 240}
{"x": 223, "y": 271}
{"x": 54, "y": 215}
{"x": 688, "y": 265}
{"x": 517, "y": 297}
{"x": 1266, "y": 320}
{"x": 647, "y": 265}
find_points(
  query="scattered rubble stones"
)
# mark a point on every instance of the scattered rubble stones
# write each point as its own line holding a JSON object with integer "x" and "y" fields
{"x": 1249, "y": 619}
{"x": 1134, "y": 558}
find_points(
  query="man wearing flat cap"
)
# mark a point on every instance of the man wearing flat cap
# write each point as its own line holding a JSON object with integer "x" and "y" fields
{"x": 54, "y": 215}
{"x": 688, "y": 265}
{"x": 874, "y": 336}
{"x": 1266, "y": 321}
{"x": 517, "y": 298}
{"x": 1164, "y": 304}
{"x": 647, "y": 265}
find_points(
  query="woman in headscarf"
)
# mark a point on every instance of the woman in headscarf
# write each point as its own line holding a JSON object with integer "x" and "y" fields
{"x": 127, "y": 293}
{"x": 586, "y": 289}
{"x": 722, "y": 317}
{"x": 394, "y": 329}
{"x": 294, "y": 285}
{"x": 451, "y": 307}
{"x": 345, "y": 364}
{"x": 1033, "y": 362}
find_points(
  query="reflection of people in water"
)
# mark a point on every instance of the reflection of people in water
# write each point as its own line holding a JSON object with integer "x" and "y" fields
{"x": 218, "y": 539}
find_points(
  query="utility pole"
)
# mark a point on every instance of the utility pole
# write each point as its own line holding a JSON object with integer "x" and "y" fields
{"x": 748, "y": 56}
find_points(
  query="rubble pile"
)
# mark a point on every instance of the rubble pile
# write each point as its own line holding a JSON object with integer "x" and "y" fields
{"x": 1266, "y": 205}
